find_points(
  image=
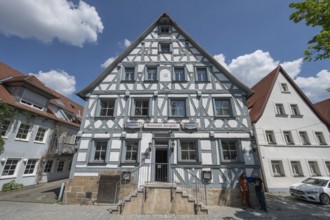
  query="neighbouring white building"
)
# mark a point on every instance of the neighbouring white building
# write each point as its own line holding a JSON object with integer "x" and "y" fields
{"x": 292, "y": 136}
{"x": 163, "y": 111}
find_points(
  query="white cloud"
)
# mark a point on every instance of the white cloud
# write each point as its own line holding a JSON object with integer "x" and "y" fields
{"x": 251, "y": 68}
{"x": 314, "y": 86}
{"x": 58, "y": 80}
{"x": 125, "y": 43}
{"x": 49, "y": 20}
{"x": 108, "y": 62}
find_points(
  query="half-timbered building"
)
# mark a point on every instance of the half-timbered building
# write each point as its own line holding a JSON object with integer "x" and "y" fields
{"x": 164, "y": 111}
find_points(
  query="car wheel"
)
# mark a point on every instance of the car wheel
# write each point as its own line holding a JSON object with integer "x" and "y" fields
{"x": 324, "y": 199}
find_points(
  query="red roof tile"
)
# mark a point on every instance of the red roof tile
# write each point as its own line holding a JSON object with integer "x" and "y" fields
{"x": 324, "y": 108}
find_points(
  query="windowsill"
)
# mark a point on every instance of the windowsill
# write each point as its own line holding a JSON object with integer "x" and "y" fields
{"x": 290, "y": 144}
{"x": 286, "y": 92}
{"x": 23, "y": 140}
{"x": 189, "y": 162}
{"x": 151, "y": 81}
{"x": 132, "y": 163}
{"x": 272, "y": 143}
{"x": 307, "y": 144}
{"x": 28, "y": 175}
{"x": 297, "y": 116}
{"x": 105, "y": 117}
{"x": 224, "y": 117}
{"x": 39, "y": 142}
{"x": 167, "y": 52}
{"x": 7, "y": 177}
{"x": 282, "y": 116}
{"x": 179, "y": 81}
{"x": 178, "y": 117}
{"x": 207, "y": 81}
{"x": 297, "y": 176}
{"x": 278, "y": 175}
{"x": 140, "y": 117}
{"x": 97, "y": 163}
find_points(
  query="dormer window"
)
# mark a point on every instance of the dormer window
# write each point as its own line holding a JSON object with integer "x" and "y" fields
{"x": 59, "y": 101}
{"x": 33, "y": 100}
{"x": 24, "y": 102}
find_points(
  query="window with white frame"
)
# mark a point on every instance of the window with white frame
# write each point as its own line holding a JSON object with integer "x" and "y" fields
{"x": 277, "y": 168}
{"x": 229, "y": 150}
{"x": 100, "y": 151}
{"x": 288, "y": 137}
{"x": 296, "y": 168}
{"x": 30, "y": 166}
{"x": 4, "y": 127}
{"x": 178, "y": 108}
{"x": 165, "y": 47}
{"x": 23, "y": 131}
{"x": 295, "y": 110}
{"x": 151, "y": 74}
{"x": 327, "y": 164}
{"x": 223, "y": 107}
{"x": 141, "y": 107}
{"x": 188, "y": 151}
{"x": 284, "y": 87}
{"x": 304, "y": 138}
{"x": 314, "y": 168}
{"x": 179, "y": 74}
{"x": 270, "y": 137}
{"x": 60, "y": 166}
{"x": 48, "y": 166}
{"x": 131, "y": 150}
{"x": 33, "y": 105}
{"x": 107, "y": 107}
{"x": 40, "y": 136}
{"x": 201, "y": 74}
{"x": 10, "y": 167}
{"x": 320, "y": 138}
{"x": 129, "y": 74}
{"x": 280, "y": 110}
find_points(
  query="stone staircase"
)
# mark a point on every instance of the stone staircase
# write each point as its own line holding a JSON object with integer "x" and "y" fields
{"x": 159, "y": 199}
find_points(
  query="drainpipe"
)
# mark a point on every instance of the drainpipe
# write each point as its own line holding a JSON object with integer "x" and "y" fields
{"x": 261, "y": 165}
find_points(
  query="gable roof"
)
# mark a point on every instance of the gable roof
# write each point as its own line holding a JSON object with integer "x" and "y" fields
{"x": 324, "y": 108}
{"x": 163, "y": 19}
{"x": 12, "y": 77}
{"x": 262, "y": 90}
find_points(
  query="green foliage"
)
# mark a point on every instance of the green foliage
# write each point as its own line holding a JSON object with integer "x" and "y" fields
{"x": 6, "y": 111}
{"x": 12, "y": 185}
{"x": 316, "y": 13}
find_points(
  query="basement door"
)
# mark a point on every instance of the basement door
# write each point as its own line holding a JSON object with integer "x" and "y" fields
{"x": 108, "y": 189}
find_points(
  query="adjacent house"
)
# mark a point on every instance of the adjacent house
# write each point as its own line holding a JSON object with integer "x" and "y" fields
{"x": 40, "y": 133}
{"x": 324, "y": 108}
{"x": 164, "y": 111}
{"x": 292, "y": 136}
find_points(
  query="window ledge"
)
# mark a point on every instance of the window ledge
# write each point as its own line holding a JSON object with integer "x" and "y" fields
{"x": 282, "y": 116}
{"x": 96, "y": 164}
{"x": 29, "y": 175}
{"x": 140, "y": 117}
{"x": 278, "y": 175}
{"x": 23, "y": 140}
{"x": 39, "y": 142}
{"x": 297, "y": 176}
{"x": 297, "y": 116}
{"x": 7, "y": 177}
{"x": 286, "y": 92}
{"x": 178, "y": 117}
{"x": 178, "y": 81}
{"x": 224, "y": 117}
{"x": 128, "y": 81}
{"x": 151, "y": 81}
{"x": 105, "y": 117}
{"x": 207, "y": 81}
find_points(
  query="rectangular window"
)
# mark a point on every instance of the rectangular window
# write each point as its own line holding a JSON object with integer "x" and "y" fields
{"x": 314, "y": 168}
{"x": 288, "y": 137}
{"x": 280, "y": 109}
{"x": 23, "y": 132}
{"x": 229, "y": 150}
{"x": 304, "y": 138}
{"x": 178, "y": 108}
{"x": 201, "y": 74}
{"x": 277, "y": 168}
{"x": 48, "y": 166}
{"x": 151, "y": 74}
{"x": 320, "y": 138}
{"x": 284, "y": 87}
{"x": 295, "y": 110}
{"x": 25, "y": 102}
{"x": 4, "y": 127}
{"x": 296, "y": 168}
{"x": 100, "y": 151}
{"x": 129, "y": 74}
{"x": 40, "y": 134}
{"x": 10, "y": 167}
{"x": 165, "y": 47}
{"x": 179, "y": 74}
{"x": 327, "y": 164}
{"x": 141, "y": 108}
{"x": 107, "y": 107}
{"x": 131, "y": 151}
{"x": 60, "y": 166}
{"x": 164, "y": 29}
{"x": 30, "y": 166}
{"x": 223, "y": 107}
{"x": 189, "y": 150}
{"x": 270, "y": 137}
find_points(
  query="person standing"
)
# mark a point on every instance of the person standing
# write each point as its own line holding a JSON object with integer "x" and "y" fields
{"x": 259, "y": 192}
{"x": 244, "y": 187}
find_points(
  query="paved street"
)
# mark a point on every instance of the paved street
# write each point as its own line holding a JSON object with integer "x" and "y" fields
{"x": 281, "y": 206}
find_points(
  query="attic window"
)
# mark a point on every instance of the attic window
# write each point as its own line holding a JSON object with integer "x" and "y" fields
{"x": 284, "y": 88}
{"x": 59, "y": 101}
{"x": 164, "y": 29}
{"x": 24, "y": 102}
{"x": 72, "y": 106}
{"x": 165, "y": 47}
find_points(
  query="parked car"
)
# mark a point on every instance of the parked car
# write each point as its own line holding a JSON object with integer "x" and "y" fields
{"x": 314, "y": 189}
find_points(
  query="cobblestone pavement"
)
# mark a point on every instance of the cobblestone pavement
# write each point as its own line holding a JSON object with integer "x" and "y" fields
{"x": 280, "y": 206}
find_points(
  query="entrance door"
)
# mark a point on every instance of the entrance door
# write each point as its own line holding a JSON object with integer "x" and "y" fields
{"x": 161, "y": 163}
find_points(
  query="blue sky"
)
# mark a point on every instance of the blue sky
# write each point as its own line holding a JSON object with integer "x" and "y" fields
{"x": 66, "y": 43}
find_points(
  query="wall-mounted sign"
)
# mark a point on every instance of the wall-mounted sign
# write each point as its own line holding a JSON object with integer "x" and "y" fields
{"x": 132, "y": 125}
{"x": 190, "y": 126}
{"x": 161, "y": 126}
